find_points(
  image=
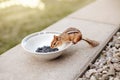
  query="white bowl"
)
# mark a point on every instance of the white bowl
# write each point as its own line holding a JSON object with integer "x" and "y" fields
{"x": 39, "y": 39}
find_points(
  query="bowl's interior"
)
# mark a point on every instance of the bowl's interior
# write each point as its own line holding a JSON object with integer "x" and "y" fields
{"x": 40, "y": 39}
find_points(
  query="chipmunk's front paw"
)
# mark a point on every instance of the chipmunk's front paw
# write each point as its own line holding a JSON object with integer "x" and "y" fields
{"x": 74, "y": 42}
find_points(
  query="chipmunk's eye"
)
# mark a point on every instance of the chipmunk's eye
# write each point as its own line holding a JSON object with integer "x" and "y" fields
{"x": 54, "y": 44}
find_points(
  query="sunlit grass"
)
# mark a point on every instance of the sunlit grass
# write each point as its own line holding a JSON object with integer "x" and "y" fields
{"x": 25, "y": 3}
{"x": 16, "y": 21}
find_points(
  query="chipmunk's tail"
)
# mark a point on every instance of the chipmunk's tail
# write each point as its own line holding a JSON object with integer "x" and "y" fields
{"x": 93, "y": 43}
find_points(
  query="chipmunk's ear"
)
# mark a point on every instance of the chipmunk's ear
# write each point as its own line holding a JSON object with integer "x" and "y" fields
{"x": 56, "y": 37}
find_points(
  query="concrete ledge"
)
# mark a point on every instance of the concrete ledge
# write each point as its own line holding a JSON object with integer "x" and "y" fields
{"x": 106, "y": 11}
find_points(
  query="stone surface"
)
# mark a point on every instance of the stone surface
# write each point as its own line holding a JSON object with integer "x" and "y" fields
{"x": 106, "y": 11}
{"x": 110, "y": 70}
{"x": 18, "y": 64}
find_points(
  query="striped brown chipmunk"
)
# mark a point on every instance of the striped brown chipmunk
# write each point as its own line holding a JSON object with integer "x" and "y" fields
{"x": 71, "y": 35}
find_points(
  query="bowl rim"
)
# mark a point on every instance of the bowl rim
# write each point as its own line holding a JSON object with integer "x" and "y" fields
{"x": 40, "y": 33}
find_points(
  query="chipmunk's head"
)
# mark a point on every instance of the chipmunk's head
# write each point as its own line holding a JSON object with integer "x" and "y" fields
{"x": 56, "y": 42}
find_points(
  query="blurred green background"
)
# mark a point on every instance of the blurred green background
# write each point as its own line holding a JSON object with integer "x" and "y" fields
{"x": 19, "y": 18}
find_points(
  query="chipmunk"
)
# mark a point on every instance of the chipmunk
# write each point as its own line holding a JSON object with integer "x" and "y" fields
{"x": 71, "y": 35}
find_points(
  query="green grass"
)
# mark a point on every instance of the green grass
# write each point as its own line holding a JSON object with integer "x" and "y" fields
{"x": 16, "y": 22}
